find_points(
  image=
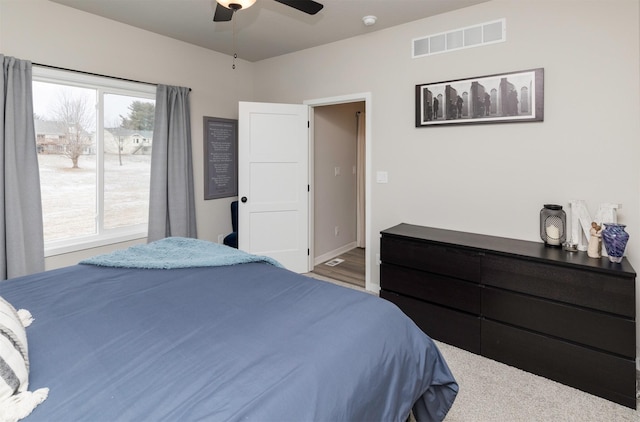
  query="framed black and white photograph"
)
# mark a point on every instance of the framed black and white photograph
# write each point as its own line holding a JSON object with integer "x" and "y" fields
{"x": 501, "y": 98}
{"x": 220, "y": 157}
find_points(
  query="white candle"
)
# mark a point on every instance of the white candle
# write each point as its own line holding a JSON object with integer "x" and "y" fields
{"x": 553, "y": 235}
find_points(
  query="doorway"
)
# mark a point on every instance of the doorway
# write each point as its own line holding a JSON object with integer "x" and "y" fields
{"x": 338, "y": 248}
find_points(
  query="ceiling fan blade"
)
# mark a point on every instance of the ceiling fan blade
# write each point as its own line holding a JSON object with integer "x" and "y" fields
{"x": 222, "y": 14}
{"x": 307, "y": 6}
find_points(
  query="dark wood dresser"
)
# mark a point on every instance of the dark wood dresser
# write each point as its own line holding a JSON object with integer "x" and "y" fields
{"x": 558, "y": 314}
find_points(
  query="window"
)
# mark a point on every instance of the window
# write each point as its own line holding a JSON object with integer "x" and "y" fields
{"x": 94, "y": 172}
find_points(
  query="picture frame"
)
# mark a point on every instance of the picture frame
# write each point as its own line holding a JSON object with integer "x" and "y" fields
{"x": 220, "y": 157}
{"x": 513, "y": 97}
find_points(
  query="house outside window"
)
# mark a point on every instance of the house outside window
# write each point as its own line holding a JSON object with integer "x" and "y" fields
{"x": 94, "y": 175}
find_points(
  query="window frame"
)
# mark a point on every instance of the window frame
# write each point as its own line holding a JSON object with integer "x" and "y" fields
{"x": 103, "y": 85}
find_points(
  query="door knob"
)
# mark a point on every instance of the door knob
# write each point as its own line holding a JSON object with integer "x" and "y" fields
{"x": 243, "y": 199}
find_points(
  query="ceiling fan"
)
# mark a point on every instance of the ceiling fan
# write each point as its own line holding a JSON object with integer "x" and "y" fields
{"x": 226, "y": 8}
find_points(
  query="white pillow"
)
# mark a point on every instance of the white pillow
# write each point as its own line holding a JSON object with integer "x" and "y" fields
{"x": 15, "y": 401}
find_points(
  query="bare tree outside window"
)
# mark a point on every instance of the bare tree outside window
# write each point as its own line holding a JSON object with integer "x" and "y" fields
{"x": 76, "y": 117}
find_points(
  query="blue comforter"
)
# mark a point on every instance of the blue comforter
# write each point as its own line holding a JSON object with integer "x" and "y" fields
{"x": 244, "y": 342}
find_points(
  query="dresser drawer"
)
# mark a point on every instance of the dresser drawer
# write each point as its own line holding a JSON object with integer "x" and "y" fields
{"x": 456, "y": 328}
{"x": 595, "y": 329}
{"x": 439, "y": 259}
{"x": 586, "y": 288}
{"x": 598, "y": 373}
{"x": 438, "y": 289}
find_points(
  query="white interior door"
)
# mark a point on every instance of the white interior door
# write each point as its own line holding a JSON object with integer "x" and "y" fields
{"x": 273, "y": 182}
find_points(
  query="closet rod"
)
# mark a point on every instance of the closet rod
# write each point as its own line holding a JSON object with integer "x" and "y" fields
{"x": 94, "y": 74}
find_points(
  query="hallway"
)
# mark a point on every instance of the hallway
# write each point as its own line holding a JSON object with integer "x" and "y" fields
{"x": 349, "y": 270}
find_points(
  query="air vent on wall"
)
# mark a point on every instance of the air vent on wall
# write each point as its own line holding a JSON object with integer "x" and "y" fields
{"x": 457, "y": 39}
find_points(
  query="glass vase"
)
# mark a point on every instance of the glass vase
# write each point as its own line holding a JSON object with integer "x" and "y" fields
{"x": 615, "y": 239}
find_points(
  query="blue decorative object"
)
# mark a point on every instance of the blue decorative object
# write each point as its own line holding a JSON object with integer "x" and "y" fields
{"x": 615, "y": 239}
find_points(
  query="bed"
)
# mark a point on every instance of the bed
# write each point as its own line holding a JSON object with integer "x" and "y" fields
{"x": 201, "y": 331}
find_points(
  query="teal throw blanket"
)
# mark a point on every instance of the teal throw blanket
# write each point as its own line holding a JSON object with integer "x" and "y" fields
{"x": 176, "y": 252}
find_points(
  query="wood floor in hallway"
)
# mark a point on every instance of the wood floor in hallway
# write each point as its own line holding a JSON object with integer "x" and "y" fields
{"x": 350, "y": 271}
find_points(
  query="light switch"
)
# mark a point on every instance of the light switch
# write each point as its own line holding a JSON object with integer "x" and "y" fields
{"x": 382, "y": 177}
{"x": 336, "y": 170}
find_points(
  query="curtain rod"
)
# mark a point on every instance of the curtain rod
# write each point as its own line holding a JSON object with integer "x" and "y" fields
{"x": 93, "y": 74}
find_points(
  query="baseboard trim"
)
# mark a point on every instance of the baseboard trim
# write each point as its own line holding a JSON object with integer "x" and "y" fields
{"x": 332, "y": 254}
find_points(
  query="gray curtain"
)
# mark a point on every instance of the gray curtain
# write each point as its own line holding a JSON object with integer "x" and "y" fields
{"x": 21, "y": 237}
{"x": 171, "y": 201}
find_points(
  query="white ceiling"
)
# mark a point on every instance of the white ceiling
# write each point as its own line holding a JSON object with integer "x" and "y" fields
{"x": 266, "y": 29}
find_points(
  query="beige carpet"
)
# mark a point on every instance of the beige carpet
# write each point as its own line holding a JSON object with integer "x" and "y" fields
{"x": 492, "y": 391}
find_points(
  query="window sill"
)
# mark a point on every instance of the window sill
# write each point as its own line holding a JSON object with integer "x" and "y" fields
{"x": 90, "y": 242}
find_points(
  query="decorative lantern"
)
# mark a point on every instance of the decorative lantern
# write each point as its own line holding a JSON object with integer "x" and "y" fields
{"x": 553, "y": 222}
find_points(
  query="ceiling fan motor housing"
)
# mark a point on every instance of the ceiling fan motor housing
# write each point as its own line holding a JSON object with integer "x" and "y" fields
{"x": 236, "y": 4}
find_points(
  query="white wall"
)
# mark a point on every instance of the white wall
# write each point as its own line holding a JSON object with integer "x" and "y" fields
{"x": 492, "y": 179}
{"x": 52, "y": 34}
